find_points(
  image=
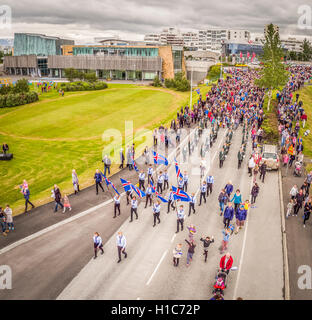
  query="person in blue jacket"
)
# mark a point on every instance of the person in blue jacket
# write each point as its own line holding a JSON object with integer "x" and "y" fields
{"x": 241, "y": 216}
{"x": 229, "y": 188}
{"x": 98, "y": 181}
{"x": 237, "y": 198}
{"x": 228, "y": 215}
{"x": 26, "y": 194}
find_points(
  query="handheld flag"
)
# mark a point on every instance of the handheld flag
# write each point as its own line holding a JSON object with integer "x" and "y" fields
{"x": 180, "y": 195}
{"x": 126, "y": 184}
{"x": 108, "y": 182}
{"x": 135, "y": 166}
{"x": 178, "y": 171}
{"x": 198, "y": 91}
{"x": 159, "y": 159}
{"x": 157, "y": 194}
{"x": 139, "y": 192}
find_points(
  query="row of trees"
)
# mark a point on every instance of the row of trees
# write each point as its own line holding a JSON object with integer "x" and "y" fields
{"x": 72, "y": 74}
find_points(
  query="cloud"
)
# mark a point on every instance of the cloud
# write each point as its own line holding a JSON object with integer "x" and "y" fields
{"x": 84, "y": 20}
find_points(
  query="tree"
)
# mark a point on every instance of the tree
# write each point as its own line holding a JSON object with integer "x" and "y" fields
{"x": 292, "y": 55}
{"x": 157, "y": 82}
{"x": 70, "y": 74}
{"x": 21, "y": 86}
{"x": 273, "y": 74}
{"x": 306, "y": 50}
{"x": 90, "y": 77}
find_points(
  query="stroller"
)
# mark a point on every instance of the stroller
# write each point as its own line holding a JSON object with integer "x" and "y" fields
{"x": 298, "y": 169}
{"x": 220, "y": 283}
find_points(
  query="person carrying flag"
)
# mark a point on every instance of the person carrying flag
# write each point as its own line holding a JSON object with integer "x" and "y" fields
{"x": 203, "y": 190}
{"x": 116, "y": 204}
{"x": 166, "y": 180}
{"x": 171, "y": 200}
{"x": 160, "y": 181}
{"x": 185, "y": 180}
{"x": 150, "y": 172}
{"x": 98, "y": 181}
{"x": 180, "y": 218}
{"x": 134, "y": 208}
{"x": 149, "y": 193}
{"x": 156, "y": 212}
{"x": 181, "y": 183}
{"x": 192, "y": 204}
{"x": 141, "y": 180}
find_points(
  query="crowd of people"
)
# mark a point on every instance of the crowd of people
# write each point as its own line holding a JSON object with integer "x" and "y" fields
{"x": 235, "y": 102}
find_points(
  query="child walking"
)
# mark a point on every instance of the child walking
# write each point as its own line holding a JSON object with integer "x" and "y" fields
{"x": 290, "y": 207}
{"x": 66, "y": 203}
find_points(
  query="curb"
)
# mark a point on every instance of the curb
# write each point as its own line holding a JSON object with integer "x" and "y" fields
{"x": 284, "y": 241}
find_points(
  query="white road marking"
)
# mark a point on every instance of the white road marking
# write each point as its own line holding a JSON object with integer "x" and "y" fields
{"x": 159, "y": 263}
{"x": 173, "y": 237}
{"x": 53, "y": 227}
{"x": 243, "y": 249}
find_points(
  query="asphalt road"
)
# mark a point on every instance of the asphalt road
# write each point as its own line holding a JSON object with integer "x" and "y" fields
{"x": 59, "y": 264}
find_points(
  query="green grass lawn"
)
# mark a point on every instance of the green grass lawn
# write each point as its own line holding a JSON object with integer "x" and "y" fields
{"x": 51, "y": 137}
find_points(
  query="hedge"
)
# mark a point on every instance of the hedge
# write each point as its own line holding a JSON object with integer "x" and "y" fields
{"x": 18, "y": 99}
{"x": 83, "y": 86}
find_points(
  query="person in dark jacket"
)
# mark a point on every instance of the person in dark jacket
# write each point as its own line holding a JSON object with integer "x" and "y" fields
{"x": 57, "y": 197}
{"x": 229, "y": 188}
{"x": 228, "y": 215}
{"x": 241, "y": 216}
{"x": 307, "y": 211}
{"x": 223, "y": 199}
{"x": 207, "y": 242}
{"x": 299, "y": 201}
{"x": 98, "y": 181}
{"x": 26, "y": 194}
{"x": 190, "y": 251}
{"x": 263, "y": 169}
{"x": 254, "y": 193}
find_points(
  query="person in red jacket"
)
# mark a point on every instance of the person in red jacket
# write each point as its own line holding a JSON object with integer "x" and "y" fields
{"x": 226, "y": 263}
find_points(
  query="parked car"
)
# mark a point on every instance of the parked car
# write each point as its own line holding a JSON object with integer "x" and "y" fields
{"x": 270, "y": 155}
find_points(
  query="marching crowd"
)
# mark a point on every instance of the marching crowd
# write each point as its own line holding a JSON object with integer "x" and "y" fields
{"x": 235, "y": 102}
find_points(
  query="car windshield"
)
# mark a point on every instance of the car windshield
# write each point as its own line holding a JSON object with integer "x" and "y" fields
{"x": 268, "y": 155}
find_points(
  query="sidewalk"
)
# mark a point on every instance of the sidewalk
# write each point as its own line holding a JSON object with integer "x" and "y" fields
{"x": 299, "y": 239}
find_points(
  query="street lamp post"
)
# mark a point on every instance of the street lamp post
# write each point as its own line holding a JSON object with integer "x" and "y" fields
{"x": 191, "y": 98}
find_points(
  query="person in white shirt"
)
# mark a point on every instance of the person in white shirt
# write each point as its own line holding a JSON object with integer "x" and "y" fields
{"x": 181, "y": 183}
{"x": 192, "y": 204}
{"x": 97, "y": 241}
{"x": 293, "y": 192}
{"x": 149, "y": 193}
{"x": 166, "y": 180}
{"x": 160, "y": 181}
{"x": 141, "y": 180}
{"x": 210, "y": 182}
{"x": 185, "y": 179}
{"x": 121, "y": 245}
{"x": 134, "y": 208}
{"x": 156, "y": 212}
{"x": 180, "y": 218}
{"x": 170, "y": 201}
{"x": 251, "y": 165}
{"x": 150, "y": 172}
{"x": 116, "y": 204}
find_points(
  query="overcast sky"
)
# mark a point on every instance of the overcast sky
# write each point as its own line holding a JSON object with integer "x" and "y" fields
{"x": 82, "y": 20}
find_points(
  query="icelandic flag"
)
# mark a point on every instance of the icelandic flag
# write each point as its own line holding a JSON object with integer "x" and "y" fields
{"x": 198, "y": 91}
{"x": 126, "y": 184}
{"x": 180, "y": 195}
{"x": 135, "y": 166}
{"x": 139, "y": 192}
{"x": 159, "y": 159}
{"x": 178, "y": 171}
{"x": 108, "y": 182}
{"x": 157, "y": 194}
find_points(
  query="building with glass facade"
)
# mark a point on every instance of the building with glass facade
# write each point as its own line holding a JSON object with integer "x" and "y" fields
{"x": 50, "y": 57}
{"x": 38, "y": 44}
{"x": 230, "y": 49}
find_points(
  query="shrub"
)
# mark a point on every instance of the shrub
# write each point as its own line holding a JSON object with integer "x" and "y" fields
{"x": 179, "y": 82}
{"x": 157, "y": 82}
{"x": 18, "y": 99}
{"x": 84, "y": 86}
{"x": 21, "y": 86}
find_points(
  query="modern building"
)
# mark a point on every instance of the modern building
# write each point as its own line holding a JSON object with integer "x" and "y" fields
{"x": 152, "y": 39}
{"x": 169, "y": 36}
{"x": 292, "y": 44}
{"x": 190, "y": 41}
{"x": 236, "y": 49}
{"x": 120, "y": 62}
{"x": 38, "y": 44}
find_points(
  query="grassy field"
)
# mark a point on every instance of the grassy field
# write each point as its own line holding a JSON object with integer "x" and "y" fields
{"x": 51, "y": 137}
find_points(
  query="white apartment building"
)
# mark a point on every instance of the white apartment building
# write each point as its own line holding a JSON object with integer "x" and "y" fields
{"x": 152, "y": 39}
{"x": 211, "y": 39}
{"x": 190, "y": 40}
{"x": 238, "y": 35}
